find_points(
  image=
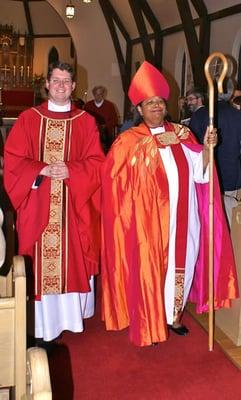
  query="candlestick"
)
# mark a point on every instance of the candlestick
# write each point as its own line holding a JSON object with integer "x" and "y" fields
{"x": 14, "y": 71}
{"x": 28, "y": 71}
{"x": 21, "y": 71}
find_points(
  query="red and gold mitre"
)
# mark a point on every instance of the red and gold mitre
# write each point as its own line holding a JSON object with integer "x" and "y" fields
{"x": 147, "y": 82}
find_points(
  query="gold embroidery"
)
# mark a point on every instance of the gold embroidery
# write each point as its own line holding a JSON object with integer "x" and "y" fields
{"x": 179, "y": 293}
{"x": 133, "y": 161}
{"x": 167, "y": 138}
{"x": 52, "y": 235}
{"x": 181, "y": 131}
{"x": 145, "y": 155}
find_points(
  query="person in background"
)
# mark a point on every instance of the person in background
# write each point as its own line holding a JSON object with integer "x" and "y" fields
{"x": 133, "y": 118}
{"x": 236, "y": 102}
{"x": 184, "y": 112}
{"x": 155, "y": 224}
{"x": 228, "y": 150}
{"x": 195, "y": 99}
{"x": 105, "y": 114}
{"x": 52, "y": 164}
{"x": 235, "y": 93}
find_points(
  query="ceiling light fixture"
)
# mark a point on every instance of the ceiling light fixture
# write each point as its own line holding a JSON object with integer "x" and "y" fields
{"x": 87, "y": 1}
{"x": 69, "y": 10}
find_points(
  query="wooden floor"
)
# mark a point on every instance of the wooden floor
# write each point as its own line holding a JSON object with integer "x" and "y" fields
{"x": 232, "y": 352}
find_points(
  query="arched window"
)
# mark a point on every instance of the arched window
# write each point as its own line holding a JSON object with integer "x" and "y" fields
{"x": 183, "y": 73}
{"x": 53, "y": 55}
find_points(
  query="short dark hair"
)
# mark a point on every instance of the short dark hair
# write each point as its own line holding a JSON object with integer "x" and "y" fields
{"x": 197, "y": 92}
{"x": 237, "y": 100}
{"x": 63, "y": 67}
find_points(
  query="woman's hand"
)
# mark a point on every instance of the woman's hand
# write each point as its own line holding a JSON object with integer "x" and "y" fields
{"x": 210, "y": 138}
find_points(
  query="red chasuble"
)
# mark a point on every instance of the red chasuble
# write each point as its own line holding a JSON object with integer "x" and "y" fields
{"x": 58, "y": 221}
{"x": 135, "y": 240}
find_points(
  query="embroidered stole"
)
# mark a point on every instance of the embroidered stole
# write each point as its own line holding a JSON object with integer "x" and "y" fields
{"x": 162, "y": 140}
{"x": 53, "y": 251}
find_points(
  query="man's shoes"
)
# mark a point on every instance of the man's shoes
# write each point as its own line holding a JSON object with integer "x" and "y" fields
{"x": 180, "y": 330}
{"x": 50, "y": 346}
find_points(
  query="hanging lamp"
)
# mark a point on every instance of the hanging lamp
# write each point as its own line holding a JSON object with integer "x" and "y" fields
{"x": 69, "y": 10}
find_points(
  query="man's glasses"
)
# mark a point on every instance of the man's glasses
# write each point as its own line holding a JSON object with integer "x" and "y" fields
{"x": 57, "y": 82}
{"x": 192, "y": 98}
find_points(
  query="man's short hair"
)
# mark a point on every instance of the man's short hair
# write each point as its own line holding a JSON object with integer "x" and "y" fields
{"x": 196, "y": 92}
{"x": 94, "y": 90}
{"x": 63, "y": 67}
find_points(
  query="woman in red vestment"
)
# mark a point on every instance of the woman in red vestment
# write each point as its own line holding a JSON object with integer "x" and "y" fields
{"x": 154, "y": 222}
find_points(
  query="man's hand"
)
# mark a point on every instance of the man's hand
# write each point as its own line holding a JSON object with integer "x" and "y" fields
{"x": 57, "y": 170}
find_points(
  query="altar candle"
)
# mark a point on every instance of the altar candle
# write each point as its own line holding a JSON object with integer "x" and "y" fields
{"x": 21, "y": 71}
{"x": 28, "y": 71}
{"x": 14, "y": 71}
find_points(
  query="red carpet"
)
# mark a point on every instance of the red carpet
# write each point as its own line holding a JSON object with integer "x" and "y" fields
{"x": 100, "y": 365}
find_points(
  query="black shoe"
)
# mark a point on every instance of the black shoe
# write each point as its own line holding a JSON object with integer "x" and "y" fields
{"x": 180, "y": 330}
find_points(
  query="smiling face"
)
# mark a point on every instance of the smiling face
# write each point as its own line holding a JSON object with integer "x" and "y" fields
{"x": 60, "y": 87}
{"x": 153, "y": 111}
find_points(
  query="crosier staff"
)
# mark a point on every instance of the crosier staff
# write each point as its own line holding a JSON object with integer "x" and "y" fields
{"x": 211, "y": 162}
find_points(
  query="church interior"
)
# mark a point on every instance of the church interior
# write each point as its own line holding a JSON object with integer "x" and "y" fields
{"x": 106, "y": 41}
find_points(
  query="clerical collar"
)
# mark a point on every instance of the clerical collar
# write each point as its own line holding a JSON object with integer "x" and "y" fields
{"x": 99, "y": 104}
{"x": 159, "y": 129}
{"x": 54, "y": 107}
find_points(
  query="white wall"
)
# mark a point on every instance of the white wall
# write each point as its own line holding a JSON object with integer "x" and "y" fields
{"x": 96, "y": 58}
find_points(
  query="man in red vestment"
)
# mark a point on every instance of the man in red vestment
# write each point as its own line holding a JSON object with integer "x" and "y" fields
{"x": 52, "y": 175}
{"x": 105, "y": 114}
{"x": 155, "y": 222}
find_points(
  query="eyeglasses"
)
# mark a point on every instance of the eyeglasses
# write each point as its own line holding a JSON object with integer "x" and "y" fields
{"x": 57, "y": 82}
{"x": 192, "y": 98}
{"x": 153, "y": 103}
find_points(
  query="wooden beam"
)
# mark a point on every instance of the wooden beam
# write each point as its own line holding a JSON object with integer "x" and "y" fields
{"x": 28, "y": 17}
{"x": 54, "y": 35}
{"x": 111, "y": 17}
{"x": 226, "y": 12}
{"x": 108, "y": 8}
{"x": 200, "y": 7}
{"x": 204, "y": 28}
{"x": 192, "y": 42}
{"x": 136, "y": 7}
{"x": 158, "y": 41}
